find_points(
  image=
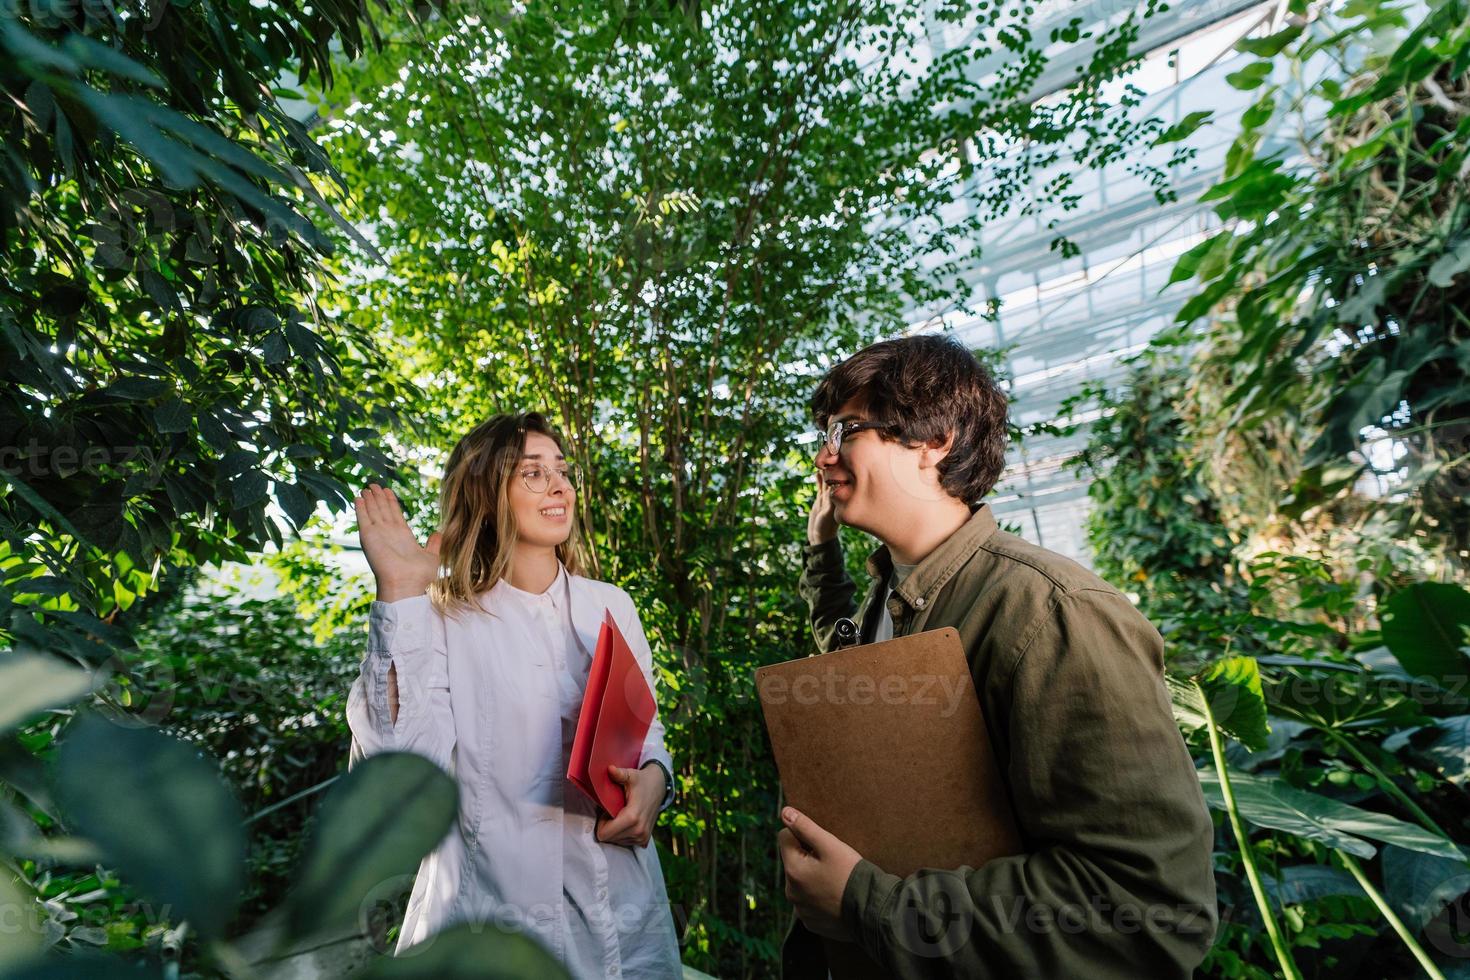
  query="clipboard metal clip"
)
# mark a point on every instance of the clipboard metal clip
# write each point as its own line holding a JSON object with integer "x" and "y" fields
{"x": 845, "y": 633}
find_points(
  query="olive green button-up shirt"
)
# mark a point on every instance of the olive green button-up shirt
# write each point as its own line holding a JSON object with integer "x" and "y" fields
{"x": 1117, "y": 878}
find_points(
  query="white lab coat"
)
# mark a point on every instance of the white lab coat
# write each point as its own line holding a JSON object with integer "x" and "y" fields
{"x": 493, "y": 699}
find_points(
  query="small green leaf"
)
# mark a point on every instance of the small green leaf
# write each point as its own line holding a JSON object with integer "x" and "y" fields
{"x": 1454, "y": 261}
{"x": 1269, "y": 47}
{"x": 273, "y": 349}
{"x": 1184, "y": 127}
{"x": 297, "y": 504}
{"x": 137, "y": 389}
{"x": 1189, "y": 263}
{"x": 1251, "y": 76}
{"x": 172, "y": 416}
{"x": 258, "y": 319}
{"x": 249, "y": 488}
{"x": 1259, "y": 112}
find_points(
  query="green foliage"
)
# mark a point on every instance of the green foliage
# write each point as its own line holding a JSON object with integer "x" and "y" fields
{"x": 1337, "y": 295}
{"x": 240, "y": 678}
{"x": 1358, "y": 747}
{"x": 243, "y": 678}
{"x": 657, "y": 224}
{"x": 144, "y": 799}
{"x": 167, "y": 381}
{"x": 166, "y": 367}
{"x": 1155, "y": 525}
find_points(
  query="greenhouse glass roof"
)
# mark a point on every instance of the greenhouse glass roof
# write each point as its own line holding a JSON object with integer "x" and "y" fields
{"x": 1064, "y": 322}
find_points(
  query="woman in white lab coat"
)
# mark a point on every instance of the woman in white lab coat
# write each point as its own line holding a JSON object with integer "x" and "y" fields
{"x": 479, "y": 644}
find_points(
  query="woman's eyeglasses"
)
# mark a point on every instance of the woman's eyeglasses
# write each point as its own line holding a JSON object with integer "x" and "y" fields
{"x": 537, "y": 478}
{"x": 837, "y": 431}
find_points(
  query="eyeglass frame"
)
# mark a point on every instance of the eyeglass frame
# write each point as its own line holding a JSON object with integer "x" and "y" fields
{"x": 838, "y": 430}
{"x": 572, "y": 476}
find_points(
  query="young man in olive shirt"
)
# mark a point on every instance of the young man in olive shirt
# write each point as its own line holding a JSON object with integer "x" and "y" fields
{"x": 1116, "y": 878}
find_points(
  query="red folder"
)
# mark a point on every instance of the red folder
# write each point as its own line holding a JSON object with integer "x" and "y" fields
{"x": 617, "y": 709}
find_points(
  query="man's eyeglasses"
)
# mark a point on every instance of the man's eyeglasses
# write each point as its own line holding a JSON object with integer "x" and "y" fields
{"x": 838, "y": 431}
{"x": 537, "y": 478}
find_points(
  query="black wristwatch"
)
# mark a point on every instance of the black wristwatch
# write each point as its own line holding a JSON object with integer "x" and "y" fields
{"x": 668, "y": 783}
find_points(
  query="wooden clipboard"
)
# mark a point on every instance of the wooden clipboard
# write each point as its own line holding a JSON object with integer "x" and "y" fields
{"x": 885, "y": 746}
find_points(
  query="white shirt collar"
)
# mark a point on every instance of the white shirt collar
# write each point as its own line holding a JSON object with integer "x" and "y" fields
{"x": 555, "y": 593}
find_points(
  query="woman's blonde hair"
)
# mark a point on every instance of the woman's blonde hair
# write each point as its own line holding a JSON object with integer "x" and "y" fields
{"x": 477, "y": 529}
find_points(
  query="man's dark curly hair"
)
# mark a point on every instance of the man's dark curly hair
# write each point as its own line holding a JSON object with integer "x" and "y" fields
{"x": 926, "y": 387}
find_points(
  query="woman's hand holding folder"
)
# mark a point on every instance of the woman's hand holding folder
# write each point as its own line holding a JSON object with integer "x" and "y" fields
{"x": 633, "y": 826}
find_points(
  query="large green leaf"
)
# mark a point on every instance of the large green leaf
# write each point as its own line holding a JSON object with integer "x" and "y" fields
{"x": 1327, "y": 696}
{"x": 1230, "y": 691}
{"x": 1419, "y": 885}
{"x": 1424, "y": 628}
{"x": 376, "y": 824}
{"x": 1274, "y": 804}
{"x": 161, "y": 815}
{"x": 471, "y": 951}
{"x": 32, "y": 682}
{"x": 1188, "y": 702}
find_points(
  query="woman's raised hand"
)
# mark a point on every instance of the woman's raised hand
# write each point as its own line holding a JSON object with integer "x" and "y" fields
{"x": 401, "y": 565}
